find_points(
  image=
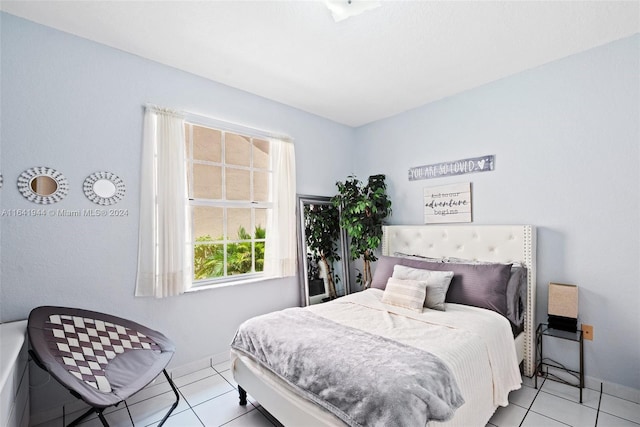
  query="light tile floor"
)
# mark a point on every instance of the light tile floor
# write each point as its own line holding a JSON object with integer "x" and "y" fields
{"x": 209, "y": 398}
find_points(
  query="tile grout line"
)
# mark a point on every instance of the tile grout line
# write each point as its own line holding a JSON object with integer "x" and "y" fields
{"x": 196, "y": 414}
{"x": 236, "y": 389}
{"x": 539, "y": 389}
{"x": 193, "y": 382}
{"x": 569, "y": 400}
{"x": 216, "y": 372}
{"x": 602, "y": 393}
{"x": 531, "y": 404}
{"x": 599, "y": 402}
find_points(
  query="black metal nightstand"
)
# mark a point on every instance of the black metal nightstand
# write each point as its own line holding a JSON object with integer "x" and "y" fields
{"x": 544, "y": 330}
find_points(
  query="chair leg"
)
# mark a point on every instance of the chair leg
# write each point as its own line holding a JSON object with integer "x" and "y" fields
{"x": 175, "y": 390}
{"x": 129, "y": 412}
{"x": 103, "y": 420}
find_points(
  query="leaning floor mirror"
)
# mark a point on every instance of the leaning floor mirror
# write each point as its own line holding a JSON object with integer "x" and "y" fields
{"x": 322, "y": 253}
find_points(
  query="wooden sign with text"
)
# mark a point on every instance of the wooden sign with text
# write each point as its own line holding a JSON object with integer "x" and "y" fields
{"x": 456, "y": 167}
{"x": 447, "y": 203}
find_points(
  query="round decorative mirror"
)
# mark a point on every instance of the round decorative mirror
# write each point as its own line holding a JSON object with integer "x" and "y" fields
{"x": 43, "y": 185}
{"x": 104, "y": 188}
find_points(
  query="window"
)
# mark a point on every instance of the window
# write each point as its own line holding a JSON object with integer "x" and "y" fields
{"x": 229, "y": 177}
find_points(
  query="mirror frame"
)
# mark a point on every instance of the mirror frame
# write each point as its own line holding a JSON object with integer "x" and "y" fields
{"x": 303, "y": 268}
{"x": 90, "y": 193}
{"x": 26, "y": 177}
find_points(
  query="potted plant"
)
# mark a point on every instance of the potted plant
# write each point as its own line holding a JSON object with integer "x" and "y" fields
{"x": 322, "y": 232}
{"x": 315, "y": 283}
{"x": 363, "y": 210}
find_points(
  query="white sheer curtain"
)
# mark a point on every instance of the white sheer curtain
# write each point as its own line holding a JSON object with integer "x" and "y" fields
{"x": 164, "y": 247}
{"x": 280, "y": 249}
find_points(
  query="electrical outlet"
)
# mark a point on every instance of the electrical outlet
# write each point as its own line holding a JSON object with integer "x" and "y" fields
{"x": 587, "y": 332}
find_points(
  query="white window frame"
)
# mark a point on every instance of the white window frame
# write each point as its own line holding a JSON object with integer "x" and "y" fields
{"x": 224, "y": 203}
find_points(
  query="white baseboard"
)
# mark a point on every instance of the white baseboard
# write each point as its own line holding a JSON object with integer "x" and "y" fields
{"x": 206, "y": 362}
{"x": 613, "y": 389}
{"x": 188, "y": 368}
{"x": 219, "y": 358}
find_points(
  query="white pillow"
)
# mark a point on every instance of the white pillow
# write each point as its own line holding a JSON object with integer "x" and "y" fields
{"x": 405, "y": 293}
{"x": 437, "y": 283}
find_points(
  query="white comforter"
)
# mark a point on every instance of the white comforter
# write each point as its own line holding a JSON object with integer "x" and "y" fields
{"x": 477, "y": 344}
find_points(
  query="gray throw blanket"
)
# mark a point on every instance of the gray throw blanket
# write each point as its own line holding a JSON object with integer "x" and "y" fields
{"x": 363, "y": 379}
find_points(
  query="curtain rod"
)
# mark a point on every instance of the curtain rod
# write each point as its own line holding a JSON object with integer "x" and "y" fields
{"x": 223, "y": 124}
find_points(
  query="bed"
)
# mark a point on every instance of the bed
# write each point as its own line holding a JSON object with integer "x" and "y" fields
{"x": 483, "y": 388}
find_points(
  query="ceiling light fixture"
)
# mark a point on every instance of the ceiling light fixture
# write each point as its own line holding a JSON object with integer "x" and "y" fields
{"x": 343, "y": 9}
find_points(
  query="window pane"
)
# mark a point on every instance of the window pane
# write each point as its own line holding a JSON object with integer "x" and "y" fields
{"x": 237, "y": 149}
{"x": 207, "y": 144}
{"x": 239, "y": 255}
{"x": 208, "y": 261}
{"x": 261, "y": 223}
{"x": 237, "y": 184}
{"x": 239, "y": 224}
{"x": 207, "y": 224}
{"x": 259, "y": 251}
{"x": 207, "y": 182}
{"x": 261, "y": 154}
{"x": 239, "y": 258}
{"x": 261, "y": 186}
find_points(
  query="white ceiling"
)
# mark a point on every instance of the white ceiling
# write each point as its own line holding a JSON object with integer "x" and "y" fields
{"x": 393, "y": 58}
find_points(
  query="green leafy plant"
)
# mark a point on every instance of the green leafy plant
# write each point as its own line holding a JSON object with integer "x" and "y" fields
{"x": 208, "y": 259}
{"x": 322, "y": 232}
{"x": 363, "y": 210}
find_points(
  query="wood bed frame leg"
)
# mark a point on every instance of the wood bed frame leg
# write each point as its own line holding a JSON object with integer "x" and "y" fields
{"x": 243, "y": 396}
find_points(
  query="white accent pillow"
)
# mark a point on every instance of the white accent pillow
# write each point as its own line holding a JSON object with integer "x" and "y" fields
{"x": 405, "y": 293}
{"x": 437, "y": 283}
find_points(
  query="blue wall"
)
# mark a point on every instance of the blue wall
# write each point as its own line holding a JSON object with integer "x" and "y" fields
{"x": 567, "y": 144}
{"x": 77, "y": 106}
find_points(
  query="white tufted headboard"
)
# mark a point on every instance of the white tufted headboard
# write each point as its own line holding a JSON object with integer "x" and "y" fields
{"x": 495, "y": 243}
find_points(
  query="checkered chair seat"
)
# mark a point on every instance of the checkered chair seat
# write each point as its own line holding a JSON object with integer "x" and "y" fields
{"x": 85, "y": 346}
{"x": 101, "y": 359}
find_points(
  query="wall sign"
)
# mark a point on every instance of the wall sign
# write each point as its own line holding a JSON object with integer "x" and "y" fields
{"x": 447, "y": 203}
{"x": 456, "y": 167}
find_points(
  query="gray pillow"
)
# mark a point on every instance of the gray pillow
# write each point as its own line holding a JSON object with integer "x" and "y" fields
{"x": 383, "y": 270}
{"x": 437, "y": 283}
{"x": 516, "y": 294}
{"x": 479, "y": 285}
{"x": 483, "y": 286}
